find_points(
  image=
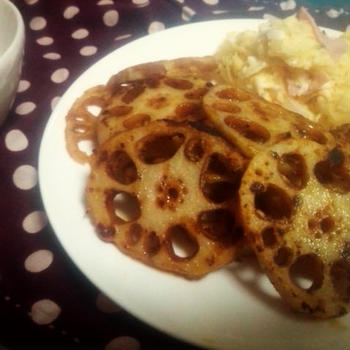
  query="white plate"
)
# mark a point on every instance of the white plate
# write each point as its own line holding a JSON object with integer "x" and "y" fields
{"x": 235, "y": 307}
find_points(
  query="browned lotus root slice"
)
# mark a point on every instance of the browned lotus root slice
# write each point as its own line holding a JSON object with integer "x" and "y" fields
{"x": 195, "y": 67}
{"x": 166, "y": 194}
{"x": 342, "y": 138}
{"x": 295, "y": 199}
{"x": 81, "y": 122}
{"x": 139, "y": 102}
{"x": 252, "y": 123}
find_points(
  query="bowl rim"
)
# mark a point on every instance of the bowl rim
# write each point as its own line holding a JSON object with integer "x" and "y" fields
{"x": 19, "y": 35}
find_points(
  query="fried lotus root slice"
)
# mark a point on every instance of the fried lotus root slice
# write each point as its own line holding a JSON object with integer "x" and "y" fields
{"x": 147, "y": 193}
{"x": 295, "y": 207}
{"x": 253, "y": 124}
{"x": 81, "y": 121}
{"x": 196, "y": 67}
{"x": 137, "y": 103}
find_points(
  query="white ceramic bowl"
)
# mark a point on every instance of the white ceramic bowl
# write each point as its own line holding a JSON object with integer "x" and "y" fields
{"x": 11, "y": 54}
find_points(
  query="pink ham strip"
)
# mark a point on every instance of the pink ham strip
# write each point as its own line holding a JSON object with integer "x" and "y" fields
{"x": 335, "y": 46}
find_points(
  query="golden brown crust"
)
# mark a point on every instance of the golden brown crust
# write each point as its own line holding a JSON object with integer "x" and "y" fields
{"x": 295, "y": 199}
{"x": 81, "y": 122}
{"x": 139, "y": 102}
{"x": 181, "y": 187}
{"x": 165, "y": 95}
{"x": 253, "y": 124}
{"x": 204, "y": 68}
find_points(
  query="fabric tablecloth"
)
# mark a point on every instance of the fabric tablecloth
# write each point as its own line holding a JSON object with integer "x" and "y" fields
{"x": 45, "y": 301}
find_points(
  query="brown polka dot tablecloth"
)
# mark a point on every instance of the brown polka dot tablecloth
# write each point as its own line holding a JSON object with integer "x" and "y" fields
{"x": 45, "y": 301}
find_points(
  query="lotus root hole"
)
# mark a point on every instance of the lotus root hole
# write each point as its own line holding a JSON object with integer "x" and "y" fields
{"x": 262, "y": 110}
{"x": 233, "y": 94}
{"x": 160, "y": 148}
{"x": 336, "y": 157}
{"x": 126, "y": 207}
{"x": 227, "y": 107}
{"x": 181, "y": 244}
{"x": 196, "y": 94}
{"x": 95, "y": 110}
{"x": 327, "y": 224}
{"x": 308, "y": 131}
{"x": 283, "y": 256}
{"x": 86, "y": 146}
{"x": 336, "y": 178}
{"x": 306, "y": 272}
{"x": 151, "y": 244}
{"x": 274, "y": 203}
{"x": 340, "y": 276}
{"x": 248, "y": 129}
{"x": 134, "y": 234}
{"x": 189, "y": 112}
{"x": 121, "y": 168}
{"x": 157, "y": 102}
{"x": 118, "y": 111}
{"x": 178, "y": 84}
{"x": 134, "y": 91}
{"x": 269, "y": 237}
{"x": 220, "y": 181}
{"x": 219, "y": 225}
{"x": 312, "y": 224}
{"x": 81, "y": 129}
{"x": 105, "y": 232}
{"x": 293, "y": 169}
{"x": 136, "y": 121}
{"x": 194, "y": 149}
{"x": 170, "y": 192}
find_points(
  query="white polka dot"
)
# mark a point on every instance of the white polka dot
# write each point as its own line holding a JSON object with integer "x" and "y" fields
{"x": 80, "y": 33}
{"x": 111, "y": 18}
{"x": 31, "y": 2}
{"x": 38, "y": 261}
{"x": 106, "y": 305}
{"x": 211, "y": 2}
{"x": 288, "y": 5}
{"x": 23, "y": 85}
{"x": 34, "y": 222}
{"x": 88, "y": 50}
{"x": 105, "y": 2}
{"x": 60, "y": 75}
{"x": 25, "y": 177}
{"x": 25, "y": 108}
{"x": 37, "y": 23}
{"x": 45, "y": 311}
{"x": 333, "y": 13}
{"x": 155, "y": 27}
{"x": 219, "y": 12}
{"x": 180, "y": 1}
{"x": 16, "y": 141}
{"x": 187, "y": 13}
{"x": 52, "y": 56}
{"x": 70, "y": 12}
{"x": 45, "y": 41}
{"x": 54, "y": 102}
{"x": 123, "y": 343}
{"x": 256, "y": 8}
{"x": 141, "y": 3}
{"x": 122, "y": 37}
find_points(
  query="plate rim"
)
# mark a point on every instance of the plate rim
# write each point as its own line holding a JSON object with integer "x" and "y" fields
{"x": 51, "y": 122}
